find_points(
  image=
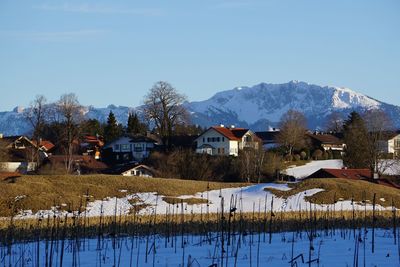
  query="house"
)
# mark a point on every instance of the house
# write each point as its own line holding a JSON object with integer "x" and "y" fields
{"x": 92, "y": 145}
{"x": 142, "y": 146}
{"x": 354, "y": 174}
{"x": 22, "y": 152}
{"x": 220, "y": 140}
{"x": 326, "y": 142}
{"x": 45, "y": 146}
{"x": 128, "y": 149}
{"x": 390, "y": 144}
{"x": 23, "y": 143}
{"x": 139, "y": 170}
{"x": 269, "y": 138}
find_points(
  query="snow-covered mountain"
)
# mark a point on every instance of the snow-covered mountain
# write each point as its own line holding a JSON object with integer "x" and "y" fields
{"x": 14, "y": 123}
{"x": 263, "y": 105}
{"x": 255, "y": 107}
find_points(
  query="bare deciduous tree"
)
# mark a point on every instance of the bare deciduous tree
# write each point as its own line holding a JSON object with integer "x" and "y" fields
{"x": 163, "y": 107}
{"x": 379, "y": 127}
{"x": 251, "y": 164}
{"x": 37, "y": 114}
{"x": 293, "y": 126}
{"x": 71, "y": 114}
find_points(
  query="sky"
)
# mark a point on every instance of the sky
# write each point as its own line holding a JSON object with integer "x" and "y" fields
{"x": 112, "y": 52}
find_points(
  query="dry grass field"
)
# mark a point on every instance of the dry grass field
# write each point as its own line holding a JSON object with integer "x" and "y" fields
{"x": 344, "y": 189}
{"x": 41, "y": 192}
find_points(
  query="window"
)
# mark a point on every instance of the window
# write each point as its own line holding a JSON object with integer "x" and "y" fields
{"x": 223, "y": 139}
{"x": 397, "y": 143}
{"x": 125, "y": 147}
{"x": 116, "y": 147}
{"x": 204, "y": 140}
{"x": 208, "y": 139}
{"x": 218, "y": 139}
{"x": 138, "y": 149}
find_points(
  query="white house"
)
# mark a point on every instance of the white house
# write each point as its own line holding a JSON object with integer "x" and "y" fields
{"x": 391, "y": 144}
{"x": 126, "y": 149}
{"x": 220, "y": 140}
{"x": 140, "y": 170}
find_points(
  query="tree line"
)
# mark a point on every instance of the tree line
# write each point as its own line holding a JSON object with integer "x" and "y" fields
{"x": 163, "y": 113}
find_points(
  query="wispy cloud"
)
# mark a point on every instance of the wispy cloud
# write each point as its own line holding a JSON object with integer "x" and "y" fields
{"x": 53, "y": 36}
{"x": 100, "y": 9}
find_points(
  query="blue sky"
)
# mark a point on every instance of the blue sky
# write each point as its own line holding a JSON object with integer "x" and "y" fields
{"x": 114, "y": 51}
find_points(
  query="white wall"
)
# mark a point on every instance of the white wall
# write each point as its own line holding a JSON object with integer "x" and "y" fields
{"x": 230, "y": 147}
{"x": 120, "y": 141}
{"x": 22, "y": 167}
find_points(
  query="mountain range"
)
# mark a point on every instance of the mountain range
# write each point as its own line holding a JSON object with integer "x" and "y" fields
{"x": 257, "y": 107}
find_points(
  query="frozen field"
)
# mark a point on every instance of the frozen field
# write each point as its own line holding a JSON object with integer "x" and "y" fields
{"x": 246, "y": 199}
{"x": 338, "y": 248}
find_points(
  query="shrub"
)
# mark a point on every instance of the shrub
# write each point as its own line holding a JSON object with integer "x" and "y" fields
{"x": 288, "y": 158}
{"x": 317, "y": 154}
{"x": 297, "y": 157}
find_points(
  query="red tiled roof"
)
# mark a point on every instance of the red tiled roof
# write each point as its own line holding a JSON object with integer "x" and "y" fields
{"x": 239, "y": 132}
{"x": 90, "y": 139}
{"x": 226, "y": 132}
{"x": 355, "y": 174}
{"x": 47, "y": 144}
{"x": 44, "y": 143}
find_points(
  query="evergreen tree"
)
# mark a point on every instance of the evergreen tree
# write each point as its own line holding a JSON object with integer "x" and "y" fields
{"x": 112, "y": 130}
{"x": 135, "y": 126}
{"x": 356, "y": 138}
{"x": 92, "y": 127}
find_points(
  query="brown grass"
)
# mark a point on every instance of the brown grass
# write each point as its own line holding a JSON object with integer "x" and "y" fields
{"x": 335, "y": 189}
{"x": 189, "y": 201}
{"x": 44, "y": 191}
{"x": 279, "y": 218}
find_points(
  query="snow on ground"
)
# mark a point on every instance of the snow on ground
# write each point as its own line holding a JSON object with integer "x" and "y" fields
{"x": 301, "y": 172}
{"x": 390, "y": 167}
{"x": 245, "y": 199}
{"x": 339, "y": 248}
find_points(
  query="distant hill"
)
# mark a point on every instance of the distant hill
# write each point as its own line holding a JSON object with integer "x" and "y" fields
{"x": 256, "y": 107}
{"x": 263, "y": 105}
